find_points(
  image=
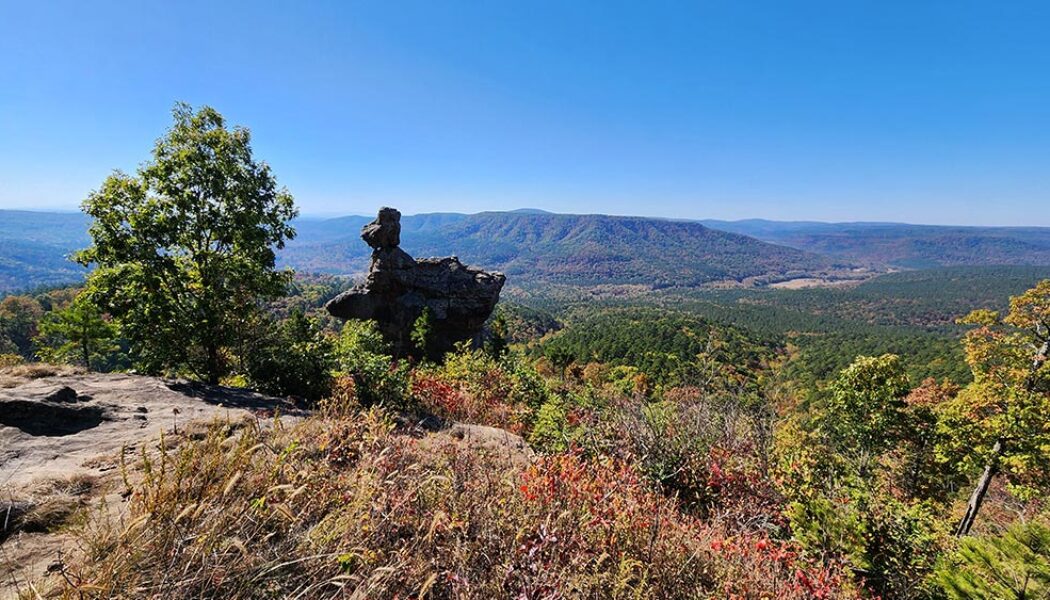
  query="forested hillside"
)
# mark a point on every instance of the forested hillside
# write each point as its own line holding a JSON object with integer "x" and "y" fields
{"x": 903, "y": 245}
{"x": 911, "y": 314}
{"x": 35, "y": 246}
{"x": 527, "y": 245}
{"x": 584, "y": 249}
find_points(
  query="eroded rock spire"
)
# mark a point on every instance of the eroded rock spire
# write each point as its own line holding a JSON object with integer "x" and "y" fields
{"x": 399, "y": 288}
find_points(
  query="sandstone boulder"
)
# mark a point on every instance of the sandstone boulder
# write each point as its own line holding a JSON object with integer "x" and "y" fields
{"x": 399, "y": 288}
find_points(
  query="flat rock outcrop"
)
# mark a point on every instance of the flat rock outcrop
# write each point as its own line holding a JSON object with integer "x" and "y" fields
{"x": 54, "y": 425}
{"x": 399, "y": 288}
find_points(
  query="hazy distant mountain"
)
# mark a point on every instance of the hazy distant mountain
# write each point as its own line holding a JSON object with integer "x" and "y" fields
{"x": 34, "y": 247}
{"x": 903, "y": 245}
{"x": 533, "y": 245}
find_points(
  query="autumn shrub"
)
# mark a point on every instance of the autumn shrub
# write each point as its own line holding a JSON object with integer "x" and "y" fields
{"x": 472, "y": 386}
{"x": 345, "y": 504}
{"x": 708, "y": 450}
{"x": 607, "y": 511}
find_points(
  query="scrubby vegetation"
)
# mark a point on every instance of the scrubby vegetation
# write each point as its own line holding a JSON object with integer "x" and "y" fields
{"x": 645, "y": 484}
{"x": 350, "y": 504}
{"x": 853, "y": 443}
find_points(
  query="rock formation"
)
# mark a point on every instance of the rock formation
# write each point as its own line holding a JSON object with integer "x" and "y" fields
{"x": 399, "y": 288}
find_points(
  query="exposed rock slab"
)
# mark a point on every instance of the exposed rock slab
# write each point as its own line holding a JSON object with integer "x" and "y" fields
{"x": 53, "y": 426}
{"x": 61, "y": 436}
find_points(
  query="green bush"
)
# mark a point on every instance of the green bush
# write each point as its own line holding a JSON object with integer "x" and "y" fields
{"x": 551, "y": 431}
{"x": 361, "y": 353}
{"x": 294, "y": 358}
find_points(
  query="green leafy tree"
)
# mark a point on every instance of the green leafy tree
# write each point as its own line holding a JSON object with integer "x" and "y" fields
{"x": 866, "y": 406}
{"x": 19, "y": 318}
{"x": 184, "y": 249}
{"x": 294, "y": 358}
{"x": 848, "y": 493}
{"x": 79, "y": 334}
{"x": 498, "y": 341}
{"x": 362, "y": 354}
{"x": 1012, "y": 566}
{"x": 999, "y": 422}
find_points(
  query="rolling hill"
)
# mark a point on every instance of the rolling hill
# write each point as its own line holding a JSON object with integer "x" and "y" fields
{"x": 528, "y": 245}
{"x": 536, "y": 246}
{"x": 902, "y": 245}
{"x": 35, "y": 246}
{"x": 590, "y": 249}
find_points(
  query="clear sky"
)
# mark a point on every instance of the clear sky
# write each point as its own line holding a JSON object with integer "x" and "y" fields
{"x": 915, "y": 111}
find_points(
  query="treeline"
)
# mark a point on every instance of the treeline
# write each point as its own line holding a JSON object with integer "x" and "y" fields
{"x": 671, "y": 349}
{"x": 911, "y": 314}
{"x": 51, "y": 325}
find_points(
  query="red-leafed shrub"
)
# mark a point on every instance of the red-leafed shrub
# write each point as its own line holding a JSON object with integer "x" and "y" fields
{"x": 473, "y": 387}
{"x": 594, "y": 511}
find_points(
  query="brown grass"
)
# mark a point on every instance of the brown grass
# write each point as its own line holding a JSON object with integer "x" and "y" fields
{"x": 14, "y": 375}
{"x": 47, "y": 507}
{"x": 346, "y": 504}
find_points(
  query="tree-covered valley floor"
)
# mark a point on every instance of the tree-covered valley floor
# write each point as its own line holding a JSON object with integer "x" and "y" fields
{"x": 685, "y": 443}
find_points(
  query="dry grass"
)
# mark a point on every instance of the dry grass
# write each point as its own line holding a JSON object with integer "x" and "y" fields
{"x": 48, "y": 506}
{"x": 345, "y": 504}
{"x": 14, "y": 375}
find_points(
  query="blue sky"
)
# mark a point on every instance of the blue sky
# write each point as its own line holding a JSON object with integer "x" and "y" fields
{"x": 930, "y": 112}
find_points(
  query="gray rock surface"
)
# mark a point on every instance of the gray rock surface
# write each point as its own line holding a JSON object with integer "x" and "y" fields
{"x": 399, "y": 288}
{"x": 385, "y": 231}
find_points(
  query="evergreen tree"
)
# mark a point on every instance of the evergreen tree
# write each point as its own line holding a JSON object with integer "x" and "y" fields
{"x": 79, "y": 334}
{"x": 1012, "y": 566}
{"x": 422, "y": 334}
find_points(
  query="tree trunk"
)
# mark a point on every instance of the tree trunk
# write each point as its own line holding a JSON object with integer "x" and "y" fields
{"x": 85, "y": 347}
{"x": 992, "y": 468}
{"x": 213, "y": 371}
{"x": 977, "y": 498}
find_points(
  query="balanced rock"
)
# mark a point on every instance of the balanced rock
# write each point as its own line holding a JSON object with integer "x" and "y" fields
{"x": 399, "y": 288}
{"x": 385, "y": 231}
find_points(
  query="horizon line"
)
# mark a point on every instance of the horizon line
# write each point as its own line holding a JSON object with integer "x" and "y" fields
{"x": 529, "y": 211}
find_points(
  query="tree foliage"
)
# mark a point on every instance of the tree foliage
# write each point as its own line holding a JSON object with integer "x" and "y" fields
{"x": 422, "y": 334}
{"x": 1000, "y": 422}
{"x": 866, "y": 406}
{"x": 19, "y": 317}
{"x": 1011, "y": 566}
{"x": 294, "y": 357}
{"x": 78, "y": 334}
{"x": 184, "y": 249}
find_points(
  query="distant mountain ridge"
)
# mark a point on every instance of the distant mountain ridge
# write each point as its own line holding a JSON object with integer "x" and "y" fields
{"x": 35, "y": 246}
{"x": 904, "y": 245}
{"x": 531, "y": 245}
{"x": 564, "y": 248}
